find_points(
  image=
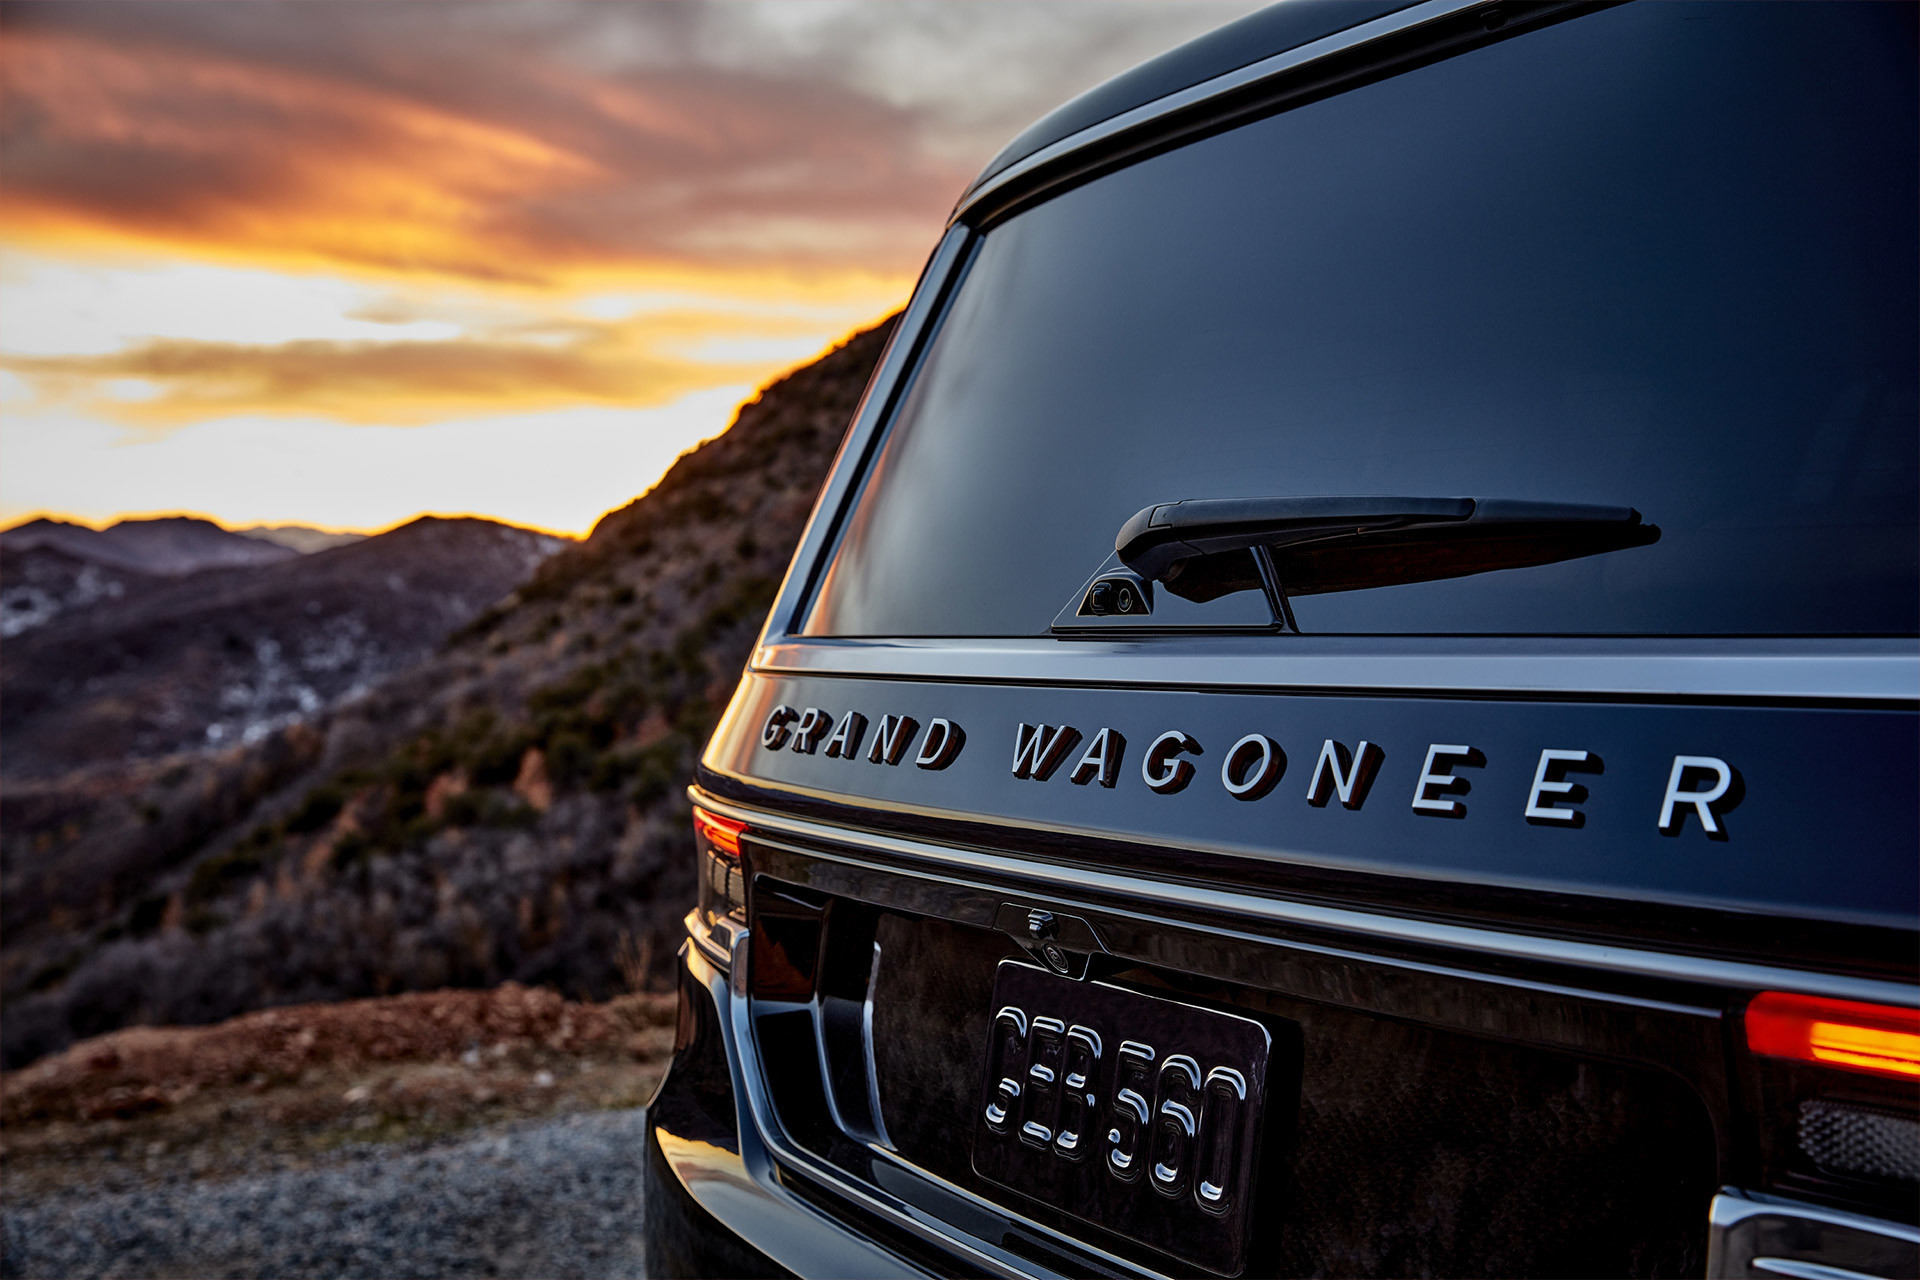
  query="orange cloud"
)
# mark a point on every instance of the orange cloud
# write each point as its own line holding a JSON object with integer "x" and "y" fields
{"x": 163, "y": 146}
{"x": 640, "y": 363}
{"x": 166, "y": 131}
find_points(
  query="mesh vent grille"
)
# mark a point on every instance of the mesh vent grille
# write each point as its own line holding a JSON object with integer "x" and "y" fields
{"x": 1852, "y": 1140}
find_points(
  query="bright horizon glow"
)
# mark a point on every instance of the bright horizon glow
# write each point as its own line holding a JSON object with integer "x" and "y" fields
{"x": 83, "y": 441}
{"x": 104, "y": 523}
{"x": 556, "y": 472}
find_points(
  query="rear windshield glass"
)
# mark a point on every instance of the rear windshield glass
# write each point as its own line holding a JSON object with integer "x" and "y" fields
{"x": 1661, "y": 257}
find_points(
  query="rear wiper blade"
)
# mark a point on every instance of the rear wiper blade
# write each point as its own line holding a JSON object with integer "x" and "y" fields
{"x": 1200, "y": 549}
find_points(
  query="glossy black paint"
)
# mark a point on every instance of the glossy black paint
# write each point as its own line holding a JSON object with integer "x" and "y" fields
{"x": 1808, "y": 779}
{"x": 683, "y": 1239}
{"x": 1272, "y": 30}
{"x": 1412, "y": 1072}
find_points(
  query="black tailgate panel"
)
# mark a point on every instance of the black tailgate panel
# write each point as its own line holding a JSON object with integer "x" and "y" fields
{"x": 1804, "y": 780}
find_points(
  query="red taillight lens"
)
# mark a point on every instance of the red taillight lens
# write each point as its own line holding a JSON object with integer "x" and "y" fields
{"x": 1877, "y": 1038}
{"x": 722, "y": 833}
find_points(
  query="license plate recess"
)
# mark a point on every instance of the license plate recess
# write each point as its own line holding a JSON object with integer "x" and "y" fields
{"x": 1139, "y": 1114}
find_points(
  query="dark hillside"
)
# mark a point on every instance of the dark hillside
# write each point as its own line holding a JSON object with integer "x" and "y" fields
{"x": 512, "y": 808}
{"x": 227, "y": 655}
{"x": 164, "y": 545}
{"x": 39, "y": 583}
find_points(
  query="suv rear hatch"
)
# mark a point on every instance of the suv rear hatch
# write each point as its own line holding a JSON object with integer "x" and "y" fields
{"x": 1549, "y": 694}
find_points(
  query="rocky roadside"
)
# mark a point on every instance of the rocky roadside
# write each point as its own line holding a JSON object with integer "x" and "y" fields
{"x": 559, "y": 1197}
{"x": 435, "y": 1134}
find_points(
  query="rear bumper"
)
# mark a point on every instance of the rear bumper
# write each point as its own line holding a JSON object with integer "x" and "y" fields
{"x": 716, "y": 1207}
{"x": 737, "y": 1193}
{"x": 683, "y": 1239}
{"x": 730, "y": 1194}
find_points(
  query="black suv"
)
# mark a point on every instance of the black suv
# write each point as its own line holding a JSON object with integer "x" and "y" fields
{"x": 1349, "y": 704}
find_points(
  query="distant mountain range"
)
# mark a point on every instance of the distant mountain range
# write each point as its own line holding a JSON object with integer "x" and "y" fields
{"x": 504, "y": 802}
{"x": 142, "y": 665}
{"x": 39, "y": 583}
{"x": 165, "y": 546}
{"x": 50, "y": 566}
{"x": 301, "y": 538}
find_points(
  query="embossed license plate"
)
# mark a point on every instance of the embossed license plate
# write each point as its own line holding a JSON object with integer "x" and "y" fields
{"x": 1135, "y": 1113}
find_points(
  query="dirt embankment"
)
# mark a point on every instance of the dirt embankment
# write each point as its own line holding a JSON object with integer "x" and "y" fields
{"x": 284, "y": 1086}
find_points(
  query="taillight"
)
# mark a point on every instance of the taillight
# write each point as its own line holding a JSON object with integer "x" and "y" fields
{"x": 1883, "y": 1040}
{"x": 723, "y": 834}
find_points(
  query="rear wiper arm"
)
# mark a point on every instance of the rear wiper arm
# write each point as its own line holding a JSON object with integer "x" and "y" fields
{"x": 1308, "y": 546}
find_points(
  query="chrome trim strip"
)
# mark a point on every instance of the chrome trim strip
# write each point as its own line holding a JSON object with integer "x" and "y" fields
{"x": 866, "y": 1045}
{"x": 1875, "y": 670}
{"x": 1794, "y": 1269}
{"x": 1733, "y": 974}
{"x": 811, "y": 554}
{"x": 699, "y": 932}
{"x": 1252, "y": 73}
{"x": 1733, "y": 1206}
{"x": 751, "y": 1085}
{"x": 1588, "y": 994}
{"x": 1730, "y": 1252}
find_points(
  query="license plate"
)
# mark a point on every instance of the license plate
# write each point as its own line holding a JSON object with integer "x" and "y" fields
{"x": 1138, "y": 1114}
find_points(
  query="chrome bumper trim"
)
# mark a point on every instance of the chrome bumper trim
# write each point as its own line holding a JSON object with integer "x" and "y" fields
{"x": 1072, "y": 880}
{"x": 716, "y": 937}
{"x": 1754, "y": 1235}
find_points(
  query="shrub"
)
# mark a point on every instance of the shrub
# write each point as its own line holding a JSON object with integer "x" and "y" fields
{"x": 503, "y": 811}
{"x": 579, "y": 685}
{"x": 464, "y": 809}
{"x": 484, "y": 622}
{"x": 51, "y": 975}
{"x": 215, "y": 875}
{"x": 317, "y": 810}
{"x": 657, "y": 770}
{"x": 495, "y": 759}
{"x": 147, "y": 915}
{"x": 570, "y": 757}
{"x": 350, "y": 850}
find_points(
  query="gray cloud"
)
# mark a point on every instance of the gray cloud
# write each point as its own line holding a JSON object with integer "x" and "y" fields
{"x": 526, "y": 139}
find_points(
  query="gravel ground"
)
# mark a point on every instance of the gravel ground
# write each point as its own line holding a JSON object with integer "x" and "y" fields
{"x": 550, "y": 1199}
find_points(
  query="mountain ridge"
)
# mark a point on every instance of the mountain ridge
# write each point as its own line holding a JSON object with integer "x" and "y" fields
{"x": 200, "y": 658}
{"x": 299, "y": 537}
{"x": 164, "y": 545}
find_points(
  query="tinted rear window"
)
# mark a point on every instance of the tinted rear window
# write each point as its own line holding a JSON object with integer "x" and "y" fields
{"x": 1661, "y": 256}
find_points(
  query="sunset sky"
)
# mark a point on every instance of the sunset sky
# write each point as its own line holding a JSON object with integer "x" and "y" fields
{"x": 341, "y": 264}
